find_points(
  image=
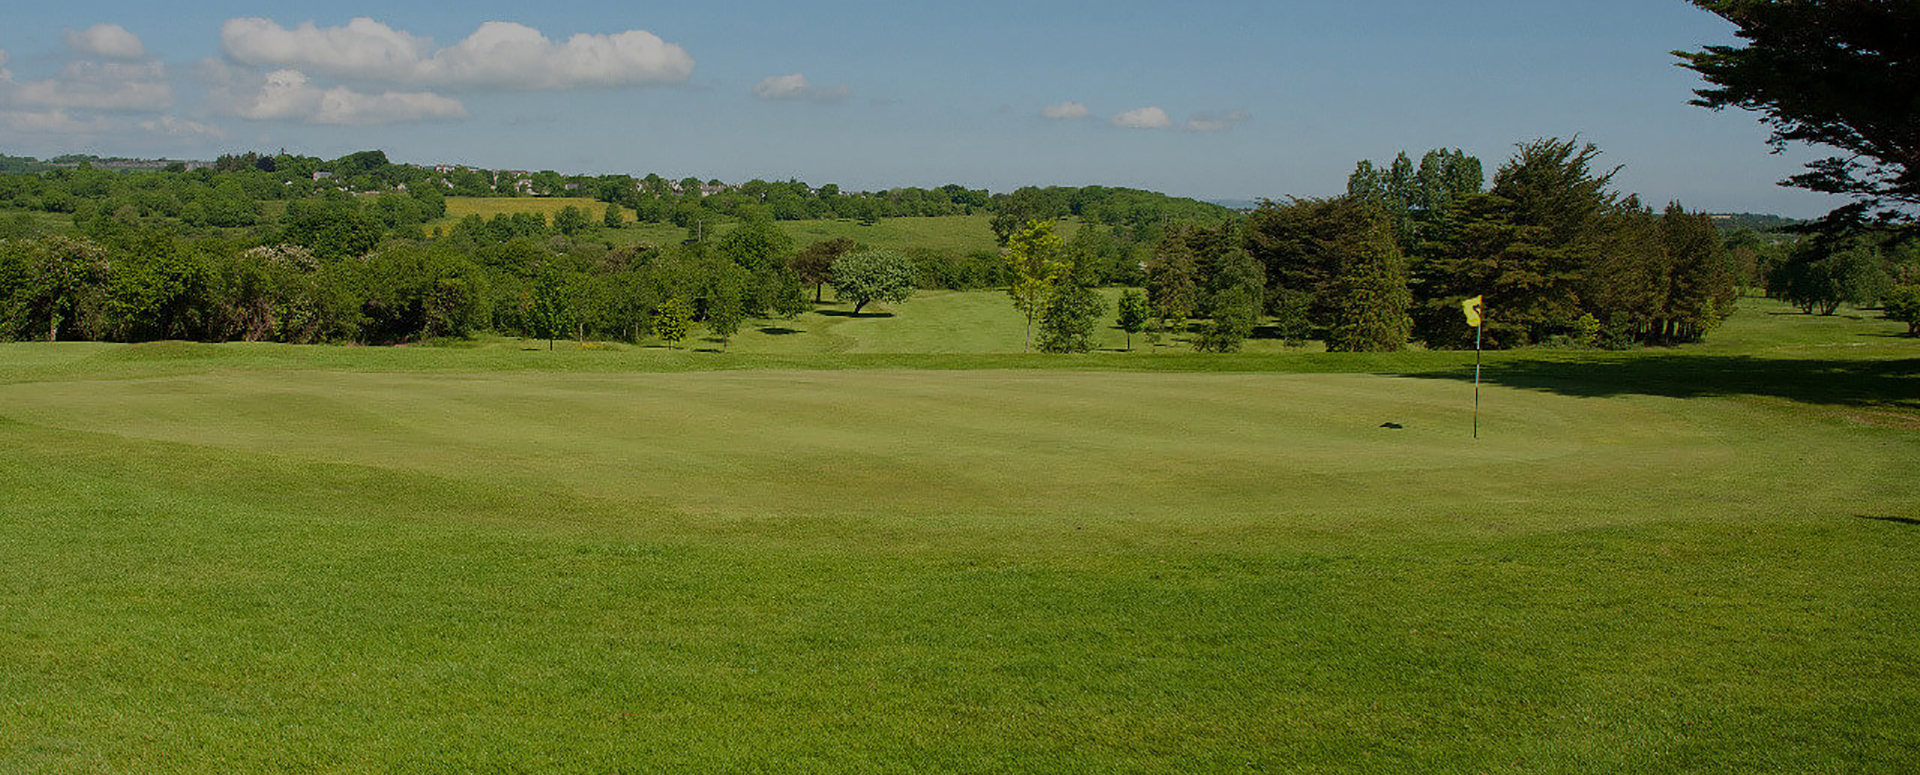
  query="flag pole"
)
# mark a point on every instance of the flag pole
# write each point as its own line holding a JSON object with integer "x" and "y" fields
{"x": 1476, "y": 381}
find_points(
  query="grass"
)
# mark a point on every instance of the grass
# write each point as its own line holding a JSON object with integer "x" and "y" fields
{"x": 255, "y": 558}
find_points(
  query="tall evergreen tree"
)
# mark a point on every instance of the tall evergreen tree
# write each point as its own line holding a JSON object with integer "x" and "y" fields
{"x": 1526, "y": 245}
{"x": 1371, "y": 299}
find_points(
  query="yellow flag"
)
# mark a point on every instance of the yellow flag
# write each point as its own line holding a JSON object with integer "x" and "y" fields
{"x": 1472, "y": 308}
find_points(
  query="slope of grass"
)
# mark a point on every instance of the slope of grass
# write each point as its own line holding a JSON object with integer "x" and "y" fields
{"x": 255, "y": 558}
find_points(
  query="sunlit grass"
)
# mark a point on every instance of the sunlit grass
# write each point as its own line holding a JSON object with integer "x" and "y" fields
{"x": 262, "y": 558}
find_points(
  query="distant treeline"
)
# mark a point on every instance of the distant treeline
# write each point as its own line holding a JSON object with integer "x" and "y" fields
{"x": 265, "y": 248}
{"x": 222, "y": 189}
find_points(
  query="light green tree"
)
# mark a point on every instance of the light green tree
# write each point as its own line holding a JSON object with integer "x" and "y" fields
{"x": 868, "y": 276}
{"x": 549, "y": 311}
{"x": 1036, "y": 259}
{"x": 672, "y": 320}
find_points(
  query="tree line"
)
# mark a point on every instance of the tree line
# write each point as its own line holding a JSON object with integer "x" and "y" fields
{"x": 1560, "y": 257}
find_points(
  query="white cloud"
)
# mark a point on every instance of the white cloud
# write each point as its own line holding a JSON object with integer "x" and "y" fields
{"x": 502, "y": 55}
{"x": 363, "y": 49}
{"x": 1143, "y": 118}
{"x": 796, "y": 87}
{"x": 6, "y": 76}
{"x": 515, "y": 56}
{"x": 1210, "y": 122}
{"x": 96, "y": 86}
{"x": 56, "y": 122}
{"x": 108, "y": 41}
{"x": 289, "y": 95}
{"x": 781, "y": 87}
{"x": 176, "y": 127}
{"x": 1065, "y": 111}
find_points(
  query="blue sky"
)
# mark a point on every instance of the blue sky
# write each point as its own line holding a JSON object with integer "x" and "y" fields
{"x": 1214, "y": 100}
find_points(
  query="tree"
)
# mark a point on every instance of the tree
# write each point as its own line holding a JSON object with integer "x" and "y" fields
{"x": 1133, "y": 314}
{"x": 814, "y": 264}
{"x": 873, "y": 275}
{"x": 757, "y": 244}
{"x": 549, "y": 313}
{"x": 614, "y": 217}
{"x": 1822, "y": 274}
{"x": 1301, "y": 246}
{"x": 1828, "y": 73}
{"x": 672, "y": 320}
{"x": 1528, "y": 245}
{"x": 1234, "y": 314}
{"x": 570, "y": 220}
{"x": 1068, "y": 321}
{"x": 1903, "y": 304}
{"x": 1173, "y": 288}
{"x": 725, "y": 308}
{"x": 1036, "y": 259}
{"x": 44, "y": 282}
{"x": 1371, "y": 298}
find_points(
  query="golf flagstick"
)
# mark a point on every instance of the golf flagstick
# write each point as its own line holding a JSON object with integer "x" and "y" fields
{"x": 1472, "y": 307}
{"x": 1476, "y": 382}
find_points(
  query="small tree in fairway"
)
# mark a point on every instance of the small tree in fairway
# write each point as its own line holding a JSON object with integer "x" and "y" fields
{"x": 1036, "y": 258}
{"x": 672, "y": 320}
{"x": 1133, "y": 314}
{"x": 550, "y": 314}
{"x": 725, "y": 311}
{"x": 1072, "y": 314}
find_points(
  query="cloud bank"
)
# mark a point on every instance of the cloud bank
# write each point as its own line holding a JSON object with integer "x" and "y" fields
{"x": 1065, "y": 111}
{"x": 794, "y": 86}
{"x": 290, "y": 95}
{"x": 107, "y": 41}
{"x": 1149, "y": 117}
{"x": 498, "y": 55}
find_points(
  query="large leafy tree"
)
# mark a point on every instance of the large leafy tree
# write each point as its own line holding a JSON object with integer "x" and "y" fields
{"x": 1836, "y": 73}
{"x": 873, "y": 275}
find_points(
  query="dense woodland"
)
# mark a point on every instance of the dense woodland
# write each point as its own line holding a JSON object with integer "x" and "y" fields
{"x": 298, "y": 249}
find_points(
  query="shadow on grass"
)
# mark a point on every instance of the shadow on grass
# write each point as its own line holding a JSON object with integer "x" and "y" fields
{"x": 841, "y": 313}
{"x": 1862, "y": 383}
{"x": 780, "y": 331}
{"x": 1908, "y": 521}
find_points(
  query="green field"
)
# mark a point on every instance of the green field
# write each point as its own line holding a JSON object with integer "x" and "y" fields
{"x": 886, "y": 555}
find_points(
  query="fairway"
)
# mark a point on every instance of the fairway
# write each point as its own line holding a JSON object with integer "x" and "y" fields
{"x": 237, "y": 554}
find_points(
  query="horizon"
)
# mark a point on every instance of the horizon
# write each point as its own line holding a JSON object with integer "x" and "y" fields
{"x": 874, "y": 96}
